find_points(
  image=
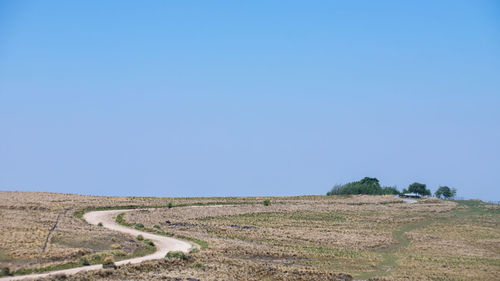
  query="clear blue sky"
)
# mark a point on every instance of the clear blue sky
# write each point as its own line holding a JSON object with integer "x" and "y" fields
{"x": 223, "y": 98}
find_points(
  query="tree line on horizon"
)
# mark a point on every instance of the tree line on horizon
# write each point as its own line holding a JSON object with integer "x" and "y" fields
{"x": 371, "y": 186}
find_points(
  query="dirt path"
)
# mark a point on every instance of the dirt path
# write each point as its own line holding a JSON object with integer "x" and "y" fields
{"x": 107, "y": 218}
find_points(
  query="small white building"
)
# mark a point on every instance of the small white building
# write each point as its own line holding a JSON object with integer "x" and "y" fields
{"x": 411, "y": 195}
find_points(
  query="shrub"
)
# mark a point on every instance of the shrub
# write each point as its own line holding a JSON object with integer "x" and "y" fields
{"x": 139, "y": 226}
{"x": 118, "y": 253}
{"x": 170, "y": 205}
{"x": 60, "y": 276}
{"x": 267, "y": 203}
{"x": 149, "y": 242}
{"x": 140, "y": 237}
{"x": 83, "y": 261}
{"x": 99, "y": 224}
{"x": 5, "y": 271}
{"x": 156, "y": 226}
{"x": 98, "y": 256}
{"x": 116, "y": 246}
{"x": 108, "y": 263}
{"x": 120, "y": 220}
{"x": 194, "y": 251}
{"x": 197, "y": 265}
{"x": 177, "y": 254}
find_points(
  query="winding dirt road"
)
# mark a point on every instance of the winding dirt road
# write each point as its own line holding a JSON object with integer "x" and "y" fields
{"x": 107, "y": 218}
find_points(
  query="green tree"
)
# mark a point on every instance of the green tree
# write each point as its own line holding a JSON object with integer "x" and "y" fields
{"x": 453, "y": 192}
{"x": 336, "y": 190}
{"x": 419, "y": 188}
{"x": 390, "y": 190}
{"x": 445, "y": 192}
{"x": 366, "y": 185}
{"x": 370, "y": 181}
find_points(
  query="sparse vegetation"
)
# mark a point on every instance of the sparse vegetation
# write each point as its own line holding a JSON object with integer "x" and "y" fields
{"x": 300, "y": 237}
{"x": 143, "y": 251}
{"x": 140, "y": 237}
{"x": 201, "y": 243}
{"x": 24, "y": 271}
{"x": 267, "y": 202}
{"x": 26, "y": 219}
{"x": 159, "y": 232}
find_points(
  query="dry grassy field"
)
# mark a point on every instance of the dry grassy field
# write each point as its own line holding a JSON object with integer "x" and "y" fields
{"x": 292, "y": 238}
